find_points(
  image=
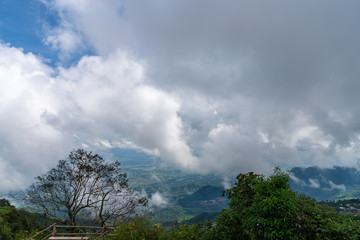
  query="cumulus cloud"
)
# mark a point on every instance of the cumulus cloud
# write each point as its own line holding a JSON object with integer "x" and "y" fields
{"x": 28, "y": 144}
{"x": 99, "y": 103}
{"x": 276, "y": 69}
{"x": 110, "y": 99}
{"x": 158, "y": 200}
{"x": 65, "y": 40}
{"x": 206, "y": 85}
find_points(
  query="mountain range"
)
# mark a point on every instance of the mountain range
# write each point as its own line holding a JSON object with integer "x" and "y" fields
{"x": 326, "y": 183}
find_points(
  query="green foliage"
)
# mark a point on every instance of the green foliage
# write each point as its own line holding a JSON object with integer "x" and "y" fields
{"x": 267, "y": 208}
{"x": 228, "y": 225}
{"x": 260, "y": 208}
{"x": 137, "y": 229}
{"x": 16, "y": 224}
{"x": 183, "y": 232}
{"x": 169, "y": 214}
{"x": 147, "y": 229}
{"x": 273, "y": 210}
{"x": 6, "y": 233}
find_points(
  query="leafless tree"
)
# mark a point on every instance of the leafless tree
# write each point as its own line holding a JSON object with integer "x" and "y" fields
{"x": 114, "y": 205}
{"x": 85, "y": 183}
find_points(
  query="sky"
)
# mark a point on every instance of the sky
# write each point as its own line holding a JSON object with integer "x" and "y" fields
{"x": 206, "y": 86}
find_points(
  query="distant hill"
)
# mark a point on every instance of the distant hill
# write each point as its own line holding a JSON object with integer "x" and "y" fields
{"x": 344, "y": 206}
{"x": 326, "y": 183}
{"x": 202, "y": 205}
{"x": 205, "y": 193}
{"x": 187, "y": 194}
{"x": 206, "y": 199}
{"x": 203, "y": 217}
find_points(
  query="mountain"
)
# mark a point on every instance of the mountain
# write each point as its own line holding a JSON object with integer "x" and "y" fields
{"x": 205, "y": 196}
{"x": 200, "y": 206}
{"x": 326, "y": 183}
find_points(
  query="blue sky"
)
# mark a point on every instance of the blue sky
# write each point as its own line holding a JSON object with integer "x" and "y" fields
{"x": 22, "y": 23}
{"x": 205, "y": 86}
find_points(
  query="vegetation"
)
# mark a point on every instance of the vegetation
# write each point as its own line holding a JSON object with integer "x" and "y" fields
{"x": 267, "y": 208}
{"x": 14, "y": 223}
{"x": 259, "y": 208}
{"x": 84, "y": 184}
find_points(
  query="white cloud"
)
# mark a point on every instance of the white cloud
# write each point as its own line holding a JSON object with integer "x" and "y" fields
{"x": 297, "y": 180}
{"x": 253, "y": 87}
{"x": 65, "y": 40}
{"x": 99, "y": 103}
{"x": 27, "y": 143}
{"x": 126, "y": 144}
{"x": 340, "y": 187}
{"x": 314, "y": 183}
{"x": 111, "y": 99}
{"x": 229, "y": 147}
{"x": 43, "y": 117}
{"x": 226, "y": 183}
{"x": 158, "y": 200}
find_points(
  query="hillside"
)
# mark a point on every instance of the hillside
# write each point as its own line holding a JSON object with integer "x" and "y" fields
{"x": 326, "y": 183}
{"x": 344, "y": 206}
{"x": 186, "y": 194}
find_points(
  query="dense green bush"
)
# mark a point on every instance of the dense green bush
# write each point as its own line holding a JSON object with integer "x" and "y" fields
{"x": 6, "y": 233}
{"x": 14, "y": 223}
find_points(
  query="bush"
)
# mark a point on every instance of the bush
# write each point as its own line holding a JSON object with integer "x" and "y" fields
{"x": 141, "y": 228}
{"x": 182, "y": 232}
{"x": 15, "y": 224}
{"x": 137, "y": 229}
{"x": 6, "y": 233}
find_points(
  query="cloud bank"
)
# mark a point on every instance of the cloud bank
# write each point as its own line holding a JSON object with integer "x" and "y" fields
{"x": 207, "y": 86}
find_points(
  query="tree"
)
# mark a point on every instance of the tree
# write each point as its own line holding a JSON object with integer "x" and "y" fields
{"x": 267, "y": 208}
{"x": 5, "y": 203}
{"x": 259, "y": 208}
{"x": 84, "y": 184}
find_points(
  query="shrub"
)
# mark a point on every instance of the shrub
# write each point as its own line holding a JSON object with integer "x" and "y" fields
{"x": 137, "y": 229}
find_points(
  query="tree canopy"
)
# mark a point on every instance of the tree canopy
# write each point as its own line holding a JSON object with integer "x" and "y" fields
{"x": 4, "y": 203}
{"x": 267, "y": 208}
{"x": 84, "y": 184}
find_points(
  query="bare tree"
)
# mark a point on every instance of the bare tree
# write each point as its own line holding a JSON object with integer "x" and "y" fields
{"x": 84, "y": 182}
{"x": 114, "y": 205}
